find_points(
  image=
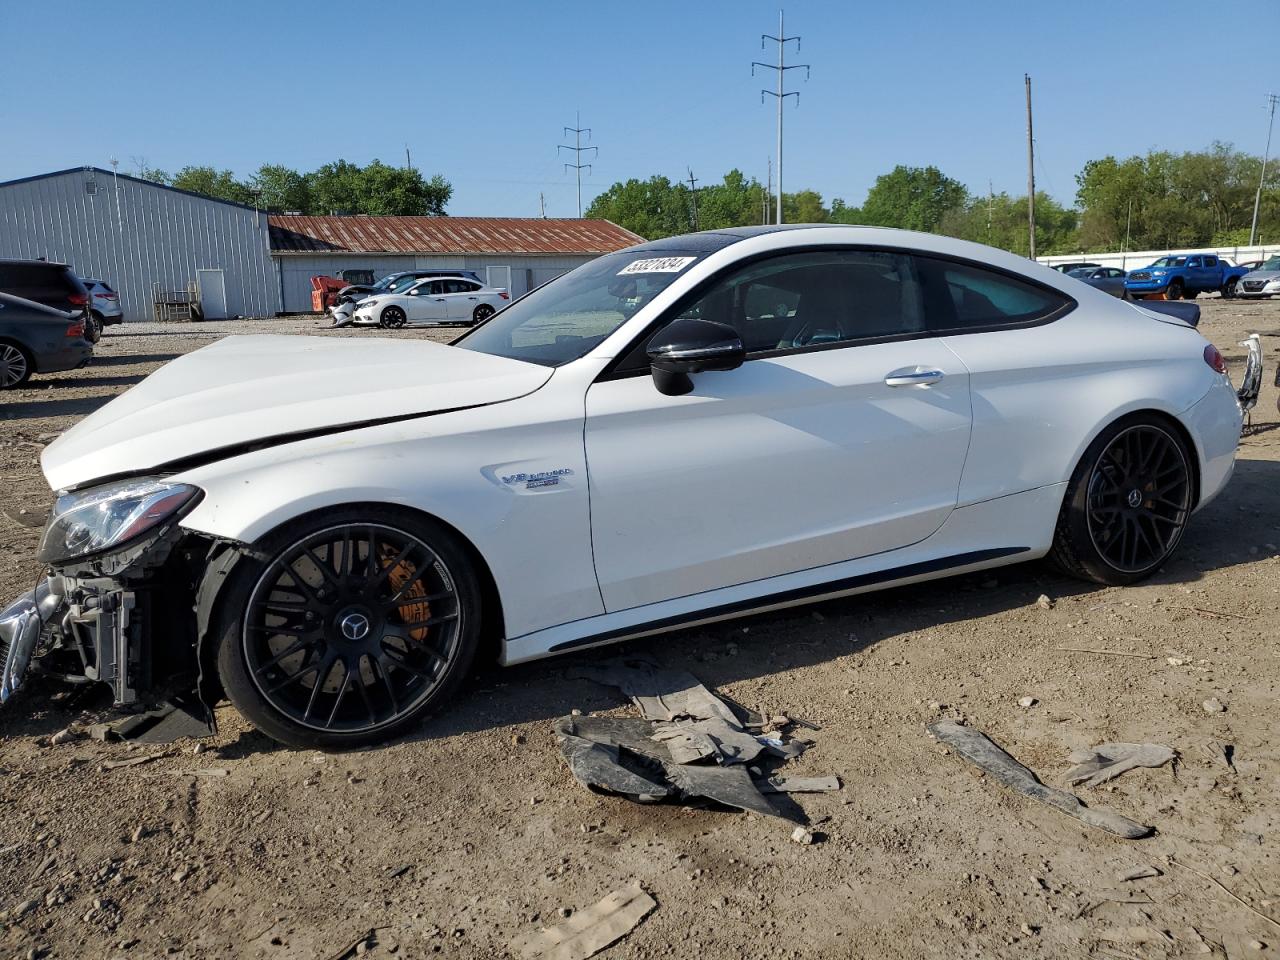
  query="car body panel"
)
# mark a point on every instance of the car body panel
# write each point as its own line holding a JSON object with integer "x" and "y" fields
{"x": 772, "y": 467}
{"x": 42, "y": 332}
{"x": 246, "y": 388}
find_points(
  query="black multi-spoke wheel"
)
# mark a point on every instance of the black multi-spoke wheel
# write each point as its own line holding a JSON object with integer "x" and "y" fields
{"x": 392, "y": 317}
{"x": 351, "y": 630}
{"x": 1127, "y": 504}
{"x": 482, "y": 313}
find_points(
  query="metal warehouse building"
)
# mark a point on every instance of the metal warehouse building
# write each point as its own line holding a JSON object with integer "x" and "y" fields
{"x": 518, "y": 254}
{"x": 141, "y": 236}
{"x": 135, "y": 234}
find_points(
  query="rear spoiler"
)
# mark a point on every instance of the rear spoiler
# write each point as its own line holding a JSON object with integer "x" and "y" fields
{"x": 1188, "y": 313}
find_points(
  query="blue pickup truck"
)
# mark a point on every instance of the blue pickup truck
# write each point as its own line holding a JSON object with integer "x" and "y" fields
{"x": 1185, "y": 275}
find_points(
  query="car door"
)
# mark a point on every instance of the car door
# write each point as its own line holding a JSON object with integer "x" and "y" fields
{"x": 843, "y": 434}
{"x": 461, "y": 299}
{"x": 425, "y": 302}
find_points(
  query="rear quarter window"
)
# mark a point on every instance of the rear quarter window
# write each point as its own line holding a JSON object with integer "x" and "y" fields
{"x": 965, "y": 298}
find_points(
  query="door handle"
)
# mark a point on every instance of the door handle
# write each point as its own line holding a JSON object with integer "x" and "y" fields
{"x": 913, "y": 376}
{"x": 441, "y": 300}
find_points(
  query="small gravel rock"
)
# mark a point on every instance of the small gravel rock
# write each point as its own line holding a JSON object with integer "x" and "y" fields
{"x": 1026, "y": 703}
{"x": 1213, "y": 705}
{"x": 802, "y": 836}
{"x": 1043, "y": 602}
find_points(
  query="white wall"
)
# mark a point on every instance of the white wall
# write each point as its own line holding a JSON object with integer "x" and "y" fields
{"x": 133, "y": 234}
{"x": 1142, "y": 258}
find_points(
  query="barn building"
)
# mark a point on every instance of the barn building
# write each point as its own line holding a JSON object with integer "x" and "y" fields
{"x": 518, "y": 254}
{"x": 146, "y": 240}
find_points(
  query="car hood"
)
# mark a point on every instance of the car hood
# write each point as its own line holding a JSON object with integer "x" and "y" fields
{"x": 1262, "y": 275}
{"x": 248, "y": 390}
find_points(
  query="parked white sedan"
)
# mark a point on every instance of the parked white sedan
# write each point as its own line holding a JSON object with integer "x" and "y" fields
{"x": 330, "y": 530}
{"x": 430, "y": 302}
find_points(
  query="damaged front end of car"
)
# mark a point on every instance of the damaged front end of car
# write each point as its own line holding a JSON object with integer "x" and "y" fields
{"x": 118, "y": 604}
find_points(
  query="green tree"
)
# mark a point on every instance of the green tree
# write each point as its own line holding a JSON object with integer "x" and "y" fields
{"x": 1001, "y": 221}
{"x": 221, "y": 184}
{"x": 281, "y": 188}
{"x": 914, "y": 198}
{"x": 804, "y": 206}
{"x": 653, "y": 208}
{"x": 377, "y": 189}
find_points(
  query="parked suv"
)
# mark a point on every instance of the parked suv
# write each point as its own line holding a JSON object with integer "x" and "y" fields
{"x": 104, "y": 303}
{"x": 52, "y": 284}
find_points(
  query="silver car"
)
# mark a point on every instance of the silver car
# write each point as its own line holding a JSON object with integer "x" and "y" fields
{"x": 104, "y": 303}
{"x": 1262, "y": 282}
{"x": 1107, "y": 279}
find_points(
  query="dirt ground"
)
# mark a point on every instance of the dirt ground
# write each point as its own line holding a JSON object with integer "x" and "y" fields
{"x": 455, "y": 839}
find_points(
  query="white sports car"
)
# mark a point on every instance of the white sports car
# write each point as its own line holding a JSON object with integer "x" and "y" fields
{"x": 430, "y": 302}
{"x": 330, "y": 531}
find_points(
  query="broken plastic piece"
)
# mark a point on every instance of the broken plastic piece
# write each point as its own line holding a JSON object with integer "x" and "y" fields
{"x": 1108, "y": 760}
{"x": 588, "y": 931}
{"x": 976, "y": 747}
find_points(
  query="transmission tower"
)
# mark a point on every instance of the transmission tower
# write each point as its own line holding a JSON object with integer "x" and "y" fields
{"x": 781, "y": 67}
{"x": 578, "y": 150}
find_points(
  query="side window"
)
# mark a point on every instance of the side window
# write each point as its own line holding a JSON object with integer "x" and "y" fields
{"x": 802, "y": 300}
{"x": 960, "y": 297}
{"x": 1210, "y": 261}
{"x": 457, "y": 286}
{"x": 1193, "y": 263}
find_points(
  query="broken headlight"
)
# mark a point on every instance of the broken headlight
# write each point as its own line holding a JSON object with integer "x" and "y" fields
{"x": 103, "y": 518}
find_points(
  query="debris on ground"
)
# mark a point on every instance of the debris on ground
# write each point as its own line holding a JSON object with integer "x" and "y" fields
{"x": 802, "y": 836}
{"x": 586, "y": 932}
{"x": 1043, "y": 602}
{"x": 1213, "y": 705}
{"x": 1026, "y": 703}
{"x": 1106, "y": 761}
{"x": 1138, "y": 873}
{"x": 980, "y": 750}
{"x": 1223, "y": 753}
{"x": 689, "y": 744}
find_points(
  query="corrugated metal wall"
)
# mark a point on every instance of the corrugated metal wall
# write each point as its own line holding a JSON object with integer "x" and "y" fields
{"x": 153, "y": 235}
{"x": 296, "y": 270}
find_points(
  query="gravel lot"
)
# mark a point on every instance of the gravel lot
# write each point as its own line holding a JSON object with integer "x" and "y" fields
{"x": 471, "y": 831}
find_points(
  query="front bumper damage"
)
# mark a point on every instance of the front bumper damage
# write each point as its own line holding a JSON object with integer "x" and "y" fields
{"x": 131, "y": 620}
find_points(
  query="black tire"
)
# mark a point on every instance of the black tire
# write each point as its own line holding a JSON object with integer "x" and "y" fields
{"x": 1229, "y": 288}
{"x": 1190, "y": 294}
{"x": 93, "y": 327}
{"x": 392, "y": 317}
{"x": 1174, "y": 292}
{"x": 481, "y": 313}
{"x": 289, "y": 618}
{"x": 1127, "y": 504}
{"x": 16, "y": 365}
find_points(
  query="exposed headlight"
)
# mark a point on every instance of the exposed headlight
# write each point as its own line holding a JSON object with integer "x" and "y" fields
{"x": 104, "y": 518}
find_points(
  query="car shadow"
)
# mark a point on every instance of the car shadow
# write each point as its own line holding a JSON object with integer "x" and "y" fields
{"x": 130, "y": 359}
{"x": 65, "y": 407}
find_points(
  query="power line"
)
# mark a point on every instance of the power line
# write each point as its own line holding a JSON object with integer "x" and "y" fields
{"x": 578, "y": 150}
{"x": 781, "y": 68}
{"x": 1272, "y": 100}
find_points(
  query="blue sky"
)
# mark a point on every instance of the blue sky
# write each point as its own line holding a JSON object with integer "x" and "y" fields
{"x": 481, "y": 91}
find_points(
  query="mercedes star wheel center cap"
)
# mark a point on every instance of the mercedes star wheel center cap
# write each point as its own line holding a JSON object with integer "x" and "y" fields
{"x": 355, "y": 626}
{"x": 1135, "y": 497}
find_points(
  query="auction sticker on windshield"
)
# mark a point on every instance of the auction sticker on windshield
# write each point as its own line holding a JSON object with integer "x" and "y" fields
{"x": 657, "y": 265}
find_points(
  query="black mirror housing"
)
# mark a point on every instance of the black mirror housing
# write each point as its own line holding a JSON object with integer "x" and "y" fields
{"x": 689, "y": 346}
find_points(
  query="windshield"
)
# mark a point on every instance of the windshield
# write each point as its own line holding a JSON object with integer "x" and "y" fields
{"x": 564, "y": 319}
{"x": 382, "y": 284}
{"x": 1170, "y": 262}
{"x": 1272, "y": 264}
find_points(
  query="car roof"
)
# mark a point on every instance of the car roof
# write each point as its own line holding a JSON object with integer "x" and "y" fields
{"x": 32, "y": 263}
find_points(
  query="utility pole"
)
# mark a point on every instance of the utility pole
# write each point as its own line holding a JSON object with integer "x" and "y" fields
{"x": 1272, "y": 100}
{"x": 408, "y": 162}
{"x": 991, "y": 199}
{"x": 693, "y": 193}
{"x": 781, "y": 40}
{"x": 542, "y": 204}
{"x": 1031, "y": 174}
{"x": 578, "y": 150}
{"x": 115, "y": 183}
{"x": 768, "y": 192}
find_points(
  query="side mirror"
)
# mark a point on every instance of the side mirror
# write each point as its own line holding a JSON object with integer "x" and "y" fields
{"x": 687, "y": 346}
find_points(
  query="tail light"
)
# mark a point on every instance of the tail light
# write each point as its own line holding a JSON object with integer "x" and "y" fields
{"x": 1214, "y": 359}
{"x": 504, "y": 295}
{"x": 106, "y": 296}
{"x": 75, "y": 330}
{"x": 79, "y": 299}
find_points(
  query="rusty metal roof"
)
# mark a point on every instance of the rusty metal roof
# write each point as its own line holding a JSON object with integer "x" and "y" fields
{"x": 445, "y": 235}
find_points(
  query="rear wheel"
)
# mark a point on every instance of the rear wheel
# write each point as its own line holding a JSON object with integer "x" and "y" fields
{"x": 482, "y": 313}
{"x": 347, "y": 629}
{"x": 15, "y": 365}
{"x": 1127, "y": 503}
{"x": 1175, "y": 291}
{"x": 1229, "y": 288}
{"x": 392, "y": 317}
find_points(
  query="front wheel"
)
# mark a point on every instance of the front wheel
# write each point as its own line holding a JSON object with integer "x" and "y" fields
{"x": 1175, "y": 291}
{"x": 1127, "y": 504}
{"x": 93, "y": 327}
{"x": 392, "y": 318}
{"x": 1229, "y": 288}
{"x": 482, "y": 313}
{"x": 346, "y": 629}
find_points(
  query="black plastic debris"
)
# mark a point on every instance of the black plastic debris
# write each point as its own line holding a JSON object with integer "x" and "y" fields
{"x": 690, "y": 744}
